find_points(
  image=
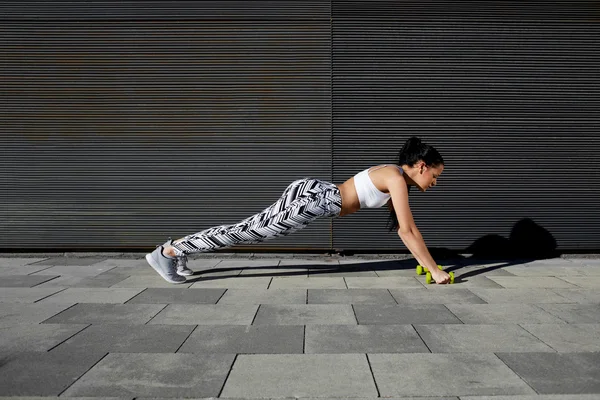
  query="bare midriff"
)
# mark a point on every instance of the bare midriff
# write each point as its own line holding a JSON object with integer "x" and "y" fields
{"x": 350, "y": 202}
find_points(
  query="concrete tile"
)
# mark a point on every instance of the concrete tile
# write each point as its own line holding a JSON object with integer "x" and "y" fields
{"x": 26, "y": 295}
{"x": 588, "y": 282}
{"x": 12, "y": 262}
{"x": 120, "y": 338}
{"x": 455, "y": 375}
{"x": 155, "y": 375}
{"x": 574, "y": 313}
{"x": 264, "y": 296}
{"x": 502, "y": 313}
{"x": 16, "y": 313}
{"x": 527, "y": 282}
{"x": 342, "y": 270}
{"x": 579, "y": 295}
{"x": 300, "y": 375}
{"x": 535, "y": 397}
{"x": 21, "y": 270}
{"x": 567, "y": 337}
{"x": 521, "y": 295}
{"x": 42, "y": 373}
{"x": 206, "y": 314}
{"x": 393, "y": 282}
{"x": 404, "y": 314}
{"x": 89, "y": 313}
{"x": 177, "y": 295}
{"x": 307, "y": 283}
{"x": 233, "y": 283}
{"x": 491, "y": 269}
{"x": 307, "y": 263}
{"x": 71, "y": 261}
{"x": 555, "y": 373}
{"x": 249, "y": 263}
{"x": 350, "y": 296}
{"x": 35, "y": 337}
{"x": 145, "y": 270}
{"x": 75, "y": 270}
{"x": 346, "y": 339}
{"x": 104, "y": 280}
{"x": 425, "y": 296}
{"x": 92, "y": 295}
{"x": 591, "y": 271}
{"x": 123, "y": 263}
{"x": 60, "y": 398}
{"x": 281, "y": 272}
{"x": 479, "y": 339}
{"x": 248, "y": 339}
{"x": 151, "y": 281}
{"x": 536, "y": 271}
{"x": 24, "y": 280}
{"x": 304, "y": 314}
{"x": 464, "y": 283}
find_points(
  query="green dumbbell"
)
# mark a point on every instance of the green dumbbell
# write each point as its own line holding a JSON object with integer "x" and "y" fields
{"x": 422, "y": 270}
{"x": 429, "y": 280}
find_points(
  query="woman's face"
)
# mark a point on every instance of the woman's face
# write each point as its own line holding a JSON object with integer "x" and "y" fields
{"x": 426, "y": 177}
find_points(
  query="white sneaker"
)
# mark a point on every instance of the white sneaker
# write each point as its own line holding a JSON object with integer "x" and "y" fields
{"x": 182, "y": 268}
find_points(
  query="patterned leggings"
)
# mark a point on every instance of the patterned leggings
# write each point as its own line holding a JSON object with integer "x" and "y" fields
{"x": 302, "y": 202}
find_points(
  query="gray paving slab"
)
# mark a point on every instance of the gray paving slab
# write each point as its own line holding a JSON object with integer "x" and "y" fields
{"x": 263, "y": 296}
{"x": 464, "y": 282}
{"x": 567, "y": 337}
{"x": 345, "y": 270}
{"x": 92, "y": 295}
{"x": 12, "y": 314}
{"x": 350, "y": 296}
{"x": 34, "y": 337}
{"x": 425, "y": 296}
{"x": 11, "y": 262}
{"x": 150, "y": 281}
{"x": 42, "y": 373}
{"x": 123, "y": 263}
{"x": 304, "y": 314}
{"x": 445, "y": 338}
{"x": 457, "y": 374}
{"x": 492, "y": 269}
{"x": 308, "y": 283}
{"x": 21, "y": 270}
{"x": 144, "y": 270}
{"x": 90, "y": 313}
{"x": 24, "y": 281}
{"x": 579, "y": 295}
{"x": 529, "y": 282}
{"x": 155, "y": 375}
{"x": 392, "y": 282}
{"x": 588, "y": 282}
{"x": 522, "y": 295}
{"x": 300, "y": 375}
{"x": 75, "y": 270}
{"x": 574, "y": 313}
{"x": 308, "y": 263}
{"x": 73, "y": 261}
{"x": 119, "y": 338}
{"x": 248, "y": 339}
{"x": 25, "y": 294}
{"x": 206, "y": 314}
{"x": 177, "y": 295}
{"x": 102, "y": 281}
{"x": 555, "y": 373}
{"x": 340, "y": 339}
{"x": 536, "y": 271}
{"x": 368, "y": 314}
{"x": 248, "y": 282}
{"x": 249, "y": 263}
{"x": 502, "y": 313}
{"x": 535, "y": 397}
{"x": 60, "y": 398}
{"x": 377, "y": 398}
{"x": 276, "y": 272}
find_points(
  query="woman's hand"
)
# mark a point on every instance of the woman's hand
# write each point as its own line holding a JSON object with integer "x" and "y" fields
{"x": 440, "y": 277}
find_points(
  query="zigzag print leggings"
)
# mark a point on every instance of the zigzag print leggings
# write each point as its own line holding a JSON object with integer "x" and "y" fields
{"x": 302, "y": 202}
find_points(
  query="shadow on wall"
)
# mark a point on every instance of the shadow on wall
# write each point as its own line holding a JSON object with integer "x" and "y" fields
{"x": 527, "y": 240}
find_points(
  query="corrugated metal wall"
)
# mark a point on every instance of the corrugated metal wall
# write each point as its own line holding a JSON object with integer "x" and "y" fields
{"x": 124, "y": 122}
{"x": 509, "y": 93}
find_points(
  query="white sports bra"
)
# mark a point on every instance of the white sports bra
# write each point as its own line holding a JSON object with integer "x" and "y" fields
{"x": 368, "y": 195}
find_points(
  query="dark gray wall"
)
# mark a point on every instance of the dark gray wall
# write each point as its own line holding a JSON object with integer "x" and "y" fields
{"x": 124, "y": 122}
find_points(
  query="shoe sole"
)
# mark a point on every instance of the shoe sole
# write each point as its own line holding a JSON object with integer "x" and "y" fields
{"x": 185, "y": 273}
{"x": 157, "y": 269}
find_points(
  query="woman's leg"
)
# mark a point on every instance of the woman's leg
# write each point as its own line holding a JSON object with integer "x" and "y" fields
{"x": 302, "y": 202}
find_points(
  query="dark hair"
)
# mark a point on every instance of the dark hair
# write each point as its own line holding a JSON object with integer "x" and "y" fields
{"x": 413, "y": 151}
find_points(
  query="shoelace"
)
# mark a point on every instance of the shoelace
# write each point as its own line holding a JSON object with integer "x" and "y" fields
{"x": 182, "y": 262}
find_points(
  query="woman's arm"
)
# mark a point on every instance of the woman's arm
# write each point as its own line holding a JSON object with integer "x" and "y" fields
{"x": 407, "y": 229}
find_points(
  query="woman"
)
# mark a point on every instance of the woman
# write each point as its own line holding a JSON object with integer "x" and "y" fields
{"x": 307, "y": 199}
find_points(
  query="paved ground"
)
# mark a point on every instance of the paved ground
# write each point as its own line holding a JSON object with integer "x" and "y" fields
{"x": 299, "y": 328}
